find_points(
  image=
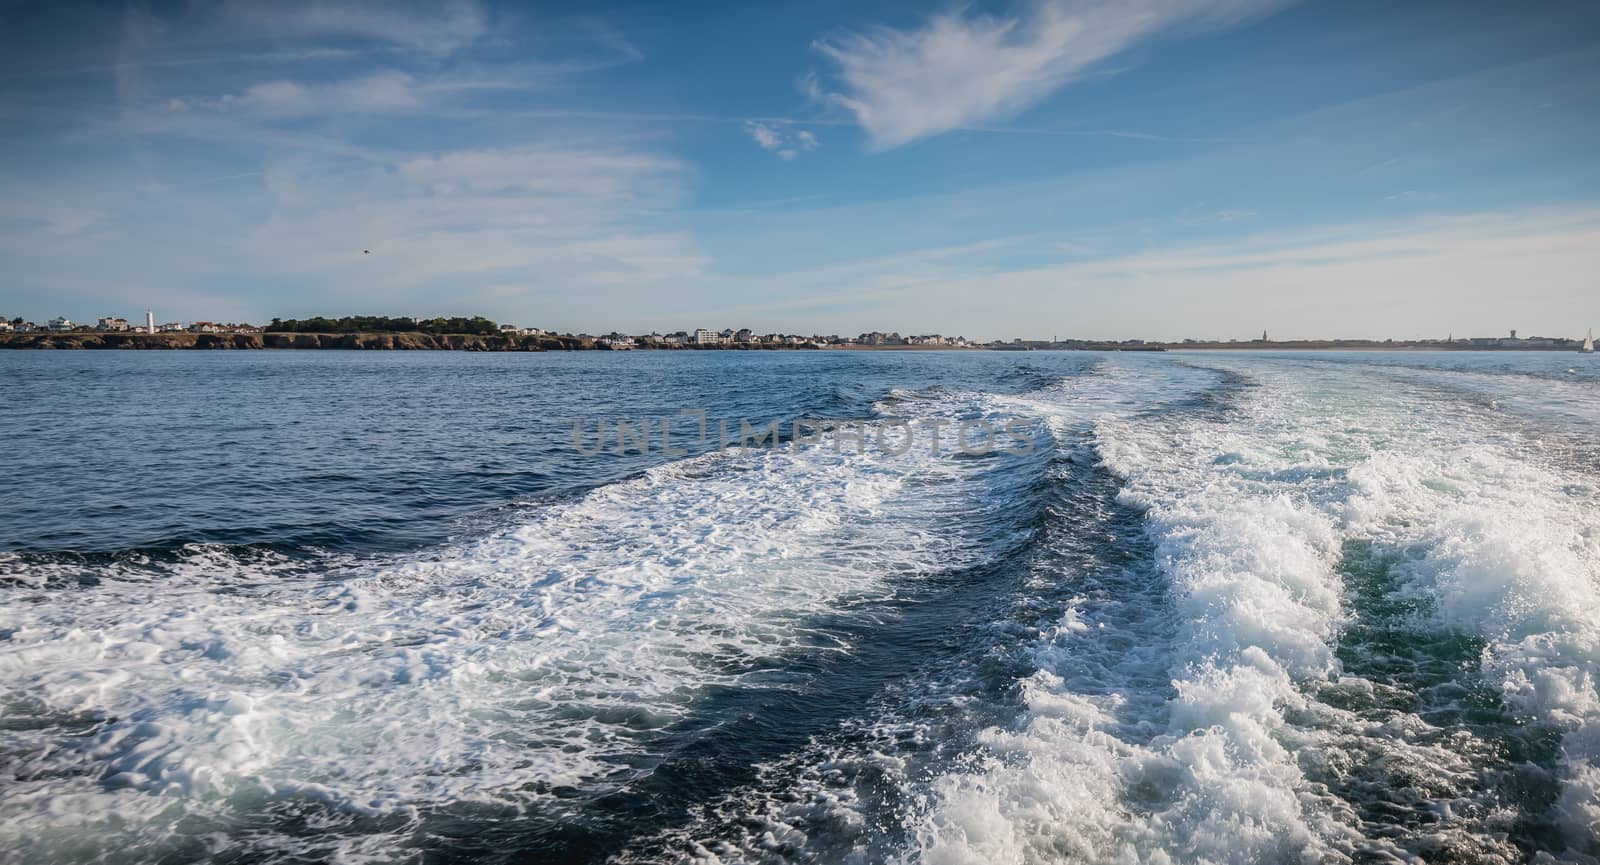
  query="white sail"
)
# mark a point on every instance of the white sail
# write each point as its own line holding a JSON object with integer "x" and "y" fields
{"x": 1588, "y": 342}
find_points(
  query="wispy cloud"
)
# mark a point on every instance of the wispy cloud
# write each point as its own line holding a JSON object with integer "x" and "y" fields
{"x": 377, "y": 93}
{"x": 561, "y": 221}
{"x": 763, "y": 135}
{"x": 241, "y": 33}
{"x": 569, "y": 222}
{"x": 780, "y": 138}
{"x": 961, "y": 69}
{"x": 238, "y": 58}
{"x": 384, "y": 91}
{"x": 1427, "y": 275}
{"x": 574, "y": 177}
{"x": 328, "y": 136}
{"x": 1216, "y": 217}
{"x": 437, "y": 29}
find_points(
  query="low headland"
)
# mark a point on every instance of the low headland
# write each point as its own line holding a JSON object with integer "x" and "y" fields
{"x": 380, "y": 341}
{"x": 417, "y": 341}
{"x": 477, "y": 333}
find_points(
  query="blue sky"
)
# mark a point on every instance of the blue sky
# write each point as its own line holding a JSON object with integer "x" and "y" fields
{"x": 1054, "y": 167}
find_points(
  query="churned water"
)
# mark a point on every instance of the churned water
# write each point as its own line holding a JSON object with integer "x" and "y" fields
{"x": 1184, "y": 607}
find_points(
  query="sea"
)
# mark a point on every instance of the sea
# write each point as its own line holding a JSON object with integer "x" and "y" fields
{"x": 853, "y": 607}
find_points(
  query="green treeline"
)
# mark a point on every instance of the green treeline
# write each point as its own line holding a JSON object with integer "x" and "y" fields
{"x": 384, "y": 324}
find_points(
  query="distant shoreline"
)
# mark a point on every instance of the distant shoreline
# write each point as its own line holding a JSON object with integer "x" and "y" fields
{"x": 414, "y": 341}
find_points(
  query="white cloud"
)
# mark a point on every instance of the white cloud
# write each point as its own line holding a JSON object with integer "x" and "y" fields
{"x": 577, "y": 224}
{"x": 568, "y": 213}
{"x": 960, "y": 69}
{"x": 243, "y": 32}
{"x": 377, "y": 93}
{"x": 581, "y": 178}
{"x": 554, "y": 218}
{"x": 381, "y": 92}
{"x": 1425, "y": 276}
{"x": 778, "y": 137}
{"x": 764, "y": 135}
{"x": 1216, "y": 217}
{"x": 1411, "y": 195}
{"x": 237, "y": 38}
{"x": 438, "y": 29}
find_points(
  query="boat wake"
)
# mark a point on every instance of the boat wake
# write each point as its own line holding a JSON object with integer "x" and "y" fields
{"x": 1225, "y": 611}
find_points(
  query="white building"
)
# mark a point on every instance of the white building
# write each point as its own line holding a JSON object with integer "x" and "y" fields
{"x": 149, "y": 321}
{"x": 108, "y": 323}
{"x": 60, "y": 323}
{"x": 705, "y": 337}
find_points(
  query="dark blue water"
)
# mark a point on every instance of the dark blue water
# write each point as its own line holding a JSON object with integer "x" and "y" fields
{"x": 380, "y": 451}
{"x": 1223, "y": 607}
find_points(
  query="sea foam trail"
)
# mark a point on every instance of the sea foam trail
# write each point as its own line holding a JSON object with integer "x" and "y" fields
{"x": 1505, "y": 544}
{"x": 162, "y": 713}
{"x": 1483, "y": 500}
{"x": 1256, "y": 757}
{"x": 1211, "y": 775}
{"x": 851, "y": 795}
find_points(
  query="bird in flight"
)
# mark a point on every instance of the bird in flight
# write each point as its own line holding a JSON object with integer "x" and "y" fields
{"x": 366, "y": 252}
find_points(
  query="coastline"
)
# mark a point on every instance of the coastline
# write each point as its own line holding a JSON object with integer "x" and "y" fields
{"x": 416, "y": 341}
{"x": 248, "y": 341}
{"x": 404, "y": 341}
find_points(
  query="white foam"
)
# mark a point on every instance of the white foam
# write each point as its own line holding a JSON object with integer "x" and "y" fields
{"x": 1249, "y": 514}
{"x": 1254, "y": 602}
{"x": 1506, "y": 546}
{"x": 492, "y": 673}
{"x": 822, "y": 803}
{"x": 1187, "y": 726}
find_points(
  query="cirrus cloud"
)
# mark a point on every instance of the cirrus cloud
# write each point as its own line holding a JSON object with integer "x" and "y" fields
{"x": 779, "y": 138}
{"x": 959, "y": 69}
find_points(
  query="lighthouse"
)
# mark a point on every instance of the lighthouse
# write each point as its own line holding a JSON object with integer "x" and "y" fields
{"x": 149, "y": 321}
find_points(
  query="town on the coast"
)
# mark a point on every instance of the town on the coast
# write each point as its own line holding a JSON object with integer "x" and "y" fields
{"x": 480, "y": 333}
{"x": 479, "y": 326}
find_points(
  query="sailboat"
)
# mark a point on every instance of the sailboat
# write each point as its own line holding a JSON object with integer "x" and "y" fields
{"x": 1588, "y": 342}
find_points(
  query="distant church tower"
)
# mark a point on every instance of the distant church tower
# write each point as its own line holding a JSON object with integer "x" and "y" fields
{"x": 1263, "y": 335}
{"x": 149, "y": 321}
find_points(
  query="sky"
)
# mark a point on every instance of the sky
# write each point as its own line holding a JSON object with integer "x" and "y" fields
{"x": 1074, "y": 168}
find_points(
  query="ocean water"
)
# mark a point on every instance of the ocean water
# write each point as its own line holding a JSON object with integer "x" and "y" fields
{"x": 1192, "y": 608}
